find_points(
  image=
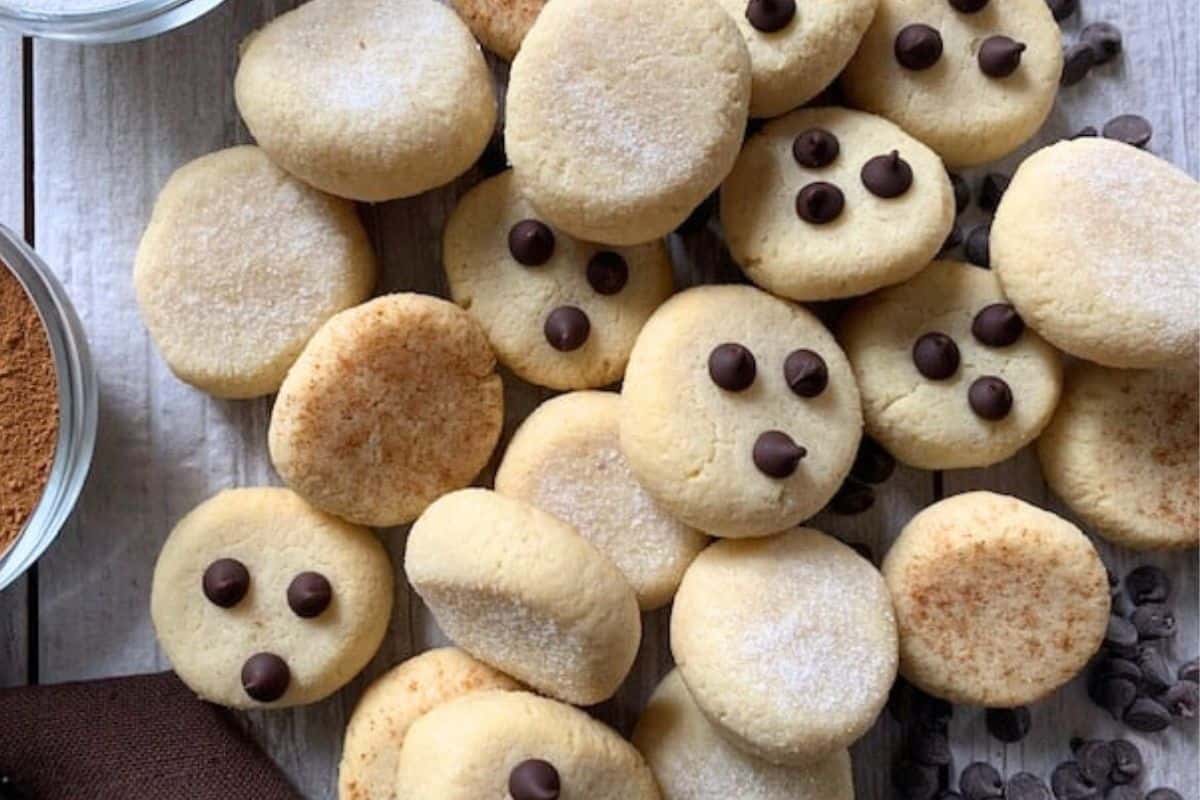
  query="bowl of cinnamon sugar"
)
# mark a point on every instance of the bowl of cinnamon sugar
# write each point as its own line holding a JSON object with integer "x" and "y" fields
{"x": 48, "y": 407}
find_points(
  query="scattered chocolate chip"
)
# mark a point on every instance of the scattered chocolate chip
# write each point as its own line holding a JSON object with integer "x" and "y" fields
{"x": 1061, "y": 9}
{"x": 1164, "y": 794}
{"x": 226, "y": 582}
{"x": 769, "y": 16}
{"x": 531, "y": 242}
{"x": 999, "y": 56}
{"x": 1069, "y": 783}
{"x": 1147, "y": 715}
{"x": 1105, "y": 40}
{"x": 265, "y": 677}
{"x": 534, "y": 780}
{"x": 1182, "y": 699}
{"x": 1120, "y": 633}
{"x": 872, "y": 464}
{"x": 1156, "y": 675}
{"x": 991, "y": 189}
{"x": 962, "y": 192}
{"x": 1112, "y": 693}
{"x": 1128, "y": 128}
{"x": 852, "y": 498}
{"x": 977, "y": 249}
{"x": 1085, "y": 132}
{"x": 1147, "y": 584}
{"x": 607, "y": 272}
{"x": 936, "y": 356}
{"x": 930, "y": 747}
{"x": 1119, "y": 668}
{"x": 906, "y": 703}
{"x": 918, "y": 47}
{"x": 732, "y": 367}
{"x": 1127, "y": 762}
{"x": 567, "y": 328}
{"x": 700, "y": 215}
{"x": 1078, "y": 60}
{"x": 915, "y": 781}
{"x": 998, "y": 325}
{"x": 953, "y": 239}
{"x": 981, "y": 781}
{"x": 805, "y": 373}
{"x": 990, "y": 397}
{"x": 1094, "y": 759}
{"x": 776, "y": 454}
{"x": 309, "y": 594}
{"x": 968, "y": 6}
{"x": 1027, "y": 786}
{"x": 887, "y": 176}
{"x": 1153, "y": 621}
{"x": 1190, "y": 671}
{"x": 815, "y": 148}
{"x": 819, "y": 203}
{"x": 1123, "y": 793}
{"x": 1008, "y": 724}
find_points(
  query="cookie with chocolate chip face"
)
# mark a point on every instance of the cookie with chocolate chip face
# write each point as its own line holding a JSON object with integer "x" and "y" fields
{"x": 740, "y": 414}
{"x": 950, "y": 375}
{"x": 829, "y": 202}
{"x": 261, "y": 601}
{"x": 559, "y": 312}
{"x": 973, "y": 79}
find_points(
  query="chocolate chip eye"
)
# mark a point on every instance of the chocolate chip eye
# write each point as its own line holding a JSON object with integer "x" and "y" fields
{"x": 534, "y": 779}
{"x": 309, "y": 594}
{"x": 815, "y": 148}
{"x": 226, "y": 582}
{"x": 887, "y": 176}
{"x": 819, "y": 203}
{"x": 776, "y": 454}
{"x": 805, "y": 373}
{"x": 265, "y": 677}
{"x": 769, "y": 16}
{"x": 732, "y": 367}
{"x": 999, "y": 56}
{"x": 607, "y": 272}
{"x": 990, "y": 397}
{"x": 531, "y": 242}
{"x": 567, "y": 328}
{"x": 968, "y": 6}
{"x": 936, "y": 356}
{"x": 918, "y": 47}
{"x": 998, "y": 325}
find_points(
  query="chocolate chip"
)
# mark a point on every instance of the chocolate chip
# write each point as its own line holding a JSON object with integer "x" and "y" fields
{"x": 1078, "y": 60}
{"x": 1127, "y": 762}
{"x": 907, "y": 703}
{"x": 1190, "y": 671}
{"x": 887, "y": 176}
{"x": 1156, "y": 675}
{"x": 732, "y": 367}
{"x": 1147, "y": 584}
{"x": 1009, "y": 724}
{"x": 915, "y": 781}
{"x": 1069, "y": 783}
{"x": 872, "y": 464}
{"x": 769, "y": 16}
{"x": 1182, "y": 699}
{"x": 1094, "y": 759}
{"x": 776, "y": 454}
{"x": 1153, "y": 621}
{"x": 852, "y": 498}
{"x": 991, "y": 189}
{"x": 531, "y": 242}
{"x": 968, "y": 6}
{"x": 1128, "y": 128}
{"x": 1119, "y": 668}
{"x": 819, "y": 202}
{"x": 309, "y": 594}
{"x": 1120, "y": 633}
{"x": 265, "y": 677}
{"x": 1104, "y": 39}
{"x": 1085, "y": 132}
{"x": 990, "y": 397}
{"x": 534, "y": 779}
{"x": 815, "y": 148}
{"x": 1061, "y": 9}
{"x": 1147, "y": 715}
{"x": 1123, "y": 793}
{"x": 1164, "y": 794}
{"x": 805, "y": 373}
{"x": 953, "y": 239}
{"x": 226, "y": 582}
{"x": 999, "y": 56}
{"x": 1112, "y": 693}
{"x": 700, "y": 215}
{"x": 931, "y": 748}
{"x": 936, "y": 356}
{"x": 981, "y": 781}
{"x": 607, "y": 272}
{"x": 998, "y": 325}
{"x": 567, "y": 328}
{"x": 918, "y": 47}
{"x": 1027, "y": 786}
{"x": 978, "y": 250}
{"x": 962, "y": 192}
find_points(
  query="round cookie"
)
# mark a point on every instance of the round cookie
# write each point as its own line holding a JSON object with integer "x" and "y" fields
{"x": 999, "y": 603}
{"x": 260, "y": 601}
{"x": 692, "y": 762}
{"x": 739, "y": 412}
{"x": 1124, "y": 453}
{"x": 974, "y": 86}
{"x": 1096, "y": 243}
{"x": 522, "y": 591}
{"x": 624, "y": 115}
{"x": 560, "y": 312}
{"x": 500, "y": 24}
{"x": 392, "y": 404}
{"x": 829, "y": 202}
{"x": 566, "y": 460}
{"x": 950, "y": 377}
{"x": 797, "y": 49}
{"x": 786, "y": 643}
{"x": 389, "y": 707}
{"x": 368, "y": 99}
{"x": 520, "y": 746}
{"x": 239, "y": 267}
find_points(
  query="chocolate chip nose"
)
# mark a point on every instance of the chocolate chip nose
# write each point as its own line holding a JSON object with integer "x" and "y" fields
{"x": 776, "y": 454}
{"x": 265, "y": 677}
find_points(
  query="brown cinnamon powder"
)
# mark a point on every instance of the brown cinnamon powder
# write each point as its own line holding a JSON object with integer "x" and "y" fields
{"x": 28, "y": 408}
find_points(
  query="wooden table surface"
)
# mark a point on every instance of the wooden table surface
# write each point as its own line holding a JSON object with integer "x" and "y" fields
{"x": 88, "y": 135}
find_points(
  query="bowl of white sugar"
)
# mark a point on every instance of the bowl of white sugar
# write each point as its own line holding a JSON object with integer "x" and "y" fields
{"x": 99, "y": 20}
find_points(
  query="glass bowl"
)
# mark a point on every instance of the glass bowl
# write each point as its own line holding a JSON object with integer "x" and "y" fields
{"x": 78, "y": 394}
{"x": 100, "y": 21}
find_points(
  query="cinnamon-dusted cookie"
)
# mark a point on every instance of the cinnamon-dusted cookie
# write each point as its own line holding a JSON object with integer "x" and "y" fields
{"x": 500, "y": 25}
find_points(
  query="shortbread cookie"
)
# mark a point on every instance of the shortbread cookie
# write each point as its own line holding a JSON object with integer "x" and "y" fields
{"x": 500, "y": 25}
{"x": 560, "y": 312}
{"x": 973, "y": 84}
{"x": 623, "y": 115}
{"x": 829, "y": 202}
{"x": 999, "y": 603}
{"x": 389, "y": 707}
{"x": 368, "y": 99}
{"x": 1123, "y": 450}
{"x": 691, "y": 761}
{"x": 520, "y": 746}
{"x": 797, "y": 49}
{"x": 787, "y": 644}
{"x": 391, "y": 405}
{"x": 261, "y": 601}
{"x": 522, "y": 591}
{"x": 1096, "y": 242}
{"x": 566, "y": 460}
{"x": 240, "y": 265}
{"x": 949, "y": 374}
{"x": 739, "y": 414}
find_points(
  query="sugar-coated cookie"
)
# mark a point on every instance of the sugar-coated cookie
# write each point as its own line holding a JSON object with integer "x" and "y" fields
{"x": 560, "y": 312}
{"x": 500, "y": 25}
{"x": 520, "y": 746}
{"x": 797, "y": 49}
{"x": 1096, "y": 242}
{"x": 1123, "y": 451}
{"x": 739, "y": 414}
{"x": 566, "y": 459}
{"x": 392, "y": 404}
{"x": 972, "y": 79}
{"x": 999, "y": 603}
{"x": 949, "y": 374}
{"x": 787, "y": 643}
{"x": 829, "y": 202}
{"x": 389, "y": 707}
{"x": 240, "y": 265}
{"x": 368, "y": 99}
{"x": 691, "y": 761}
{"x": 261, "y": 601}
{"x": 522, "y": 591}
{"x": 623, "y": 115}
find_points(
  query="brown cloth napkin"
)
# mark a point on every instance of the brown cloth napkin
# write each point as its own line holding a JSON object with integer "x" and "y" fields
{"x": 141, "y": 738}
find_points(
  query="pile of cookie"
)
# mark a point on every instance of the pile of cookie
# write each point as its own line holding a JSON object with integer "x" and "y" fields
{"x": 739, "y": 413}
